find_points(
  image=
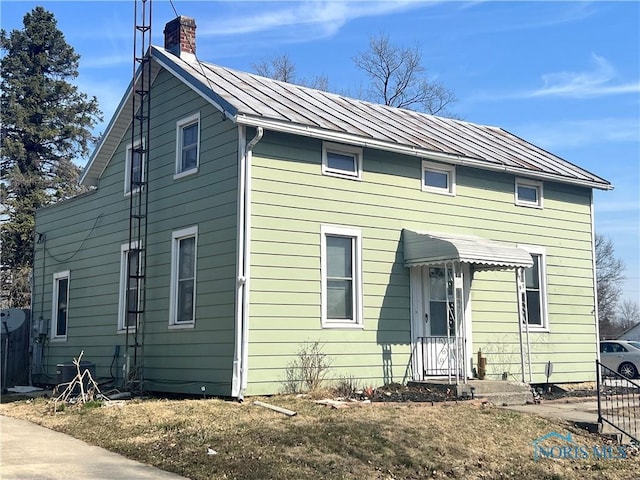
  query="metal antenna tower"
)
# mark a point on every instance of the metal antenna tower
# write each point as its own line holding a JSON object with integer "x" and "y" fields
{"x": 138, "y": 159}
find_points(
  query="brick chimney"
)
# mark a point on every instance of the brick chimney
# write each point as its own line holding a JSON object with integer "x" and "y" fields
{"x": 180, "y": 37}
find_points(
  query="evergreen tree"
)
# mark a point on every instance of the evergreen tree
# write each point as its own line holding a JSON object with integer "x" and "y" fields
{"x": 46, "y": 124}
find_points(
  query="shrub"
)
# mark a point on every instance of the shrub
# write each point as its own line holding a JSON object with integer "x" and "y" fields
{"x": 308, "y": 370}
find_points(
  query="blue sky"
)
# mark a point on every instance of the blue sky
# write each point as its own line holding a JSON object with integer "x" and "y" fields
{"x": 563, "y": 75}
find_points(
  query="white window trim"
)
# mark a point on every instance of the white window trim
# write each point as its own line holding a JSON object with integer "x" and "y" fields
{"x": 544, "y": 313}
{"x": 525, "y": 182}
{"x": 344, "y": 150}
{"x": 54, "y": 306}
{"x": 173, "y": 297}
{"x": 358, "y": 321}
{"x": 185, "y": 122}
{"x": 450, "y": 170}
{"x": 122, "y": 294}
{"x": 127, "y": 167}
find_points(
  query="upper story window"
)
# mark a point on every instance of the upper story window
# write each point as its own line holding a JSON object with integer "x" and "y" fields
{"x": 528, "y": 193}
{"x": 341, "y": 160}
{"x": 535, "y": 280}
{"x": 187, "y": 145}
{"x": 183, "y": 278}
{"x": 438, "y": 178}
{"x": 341, "y": 258}
{"x": 60, "y": 306}
{"x": 134, "y": 168}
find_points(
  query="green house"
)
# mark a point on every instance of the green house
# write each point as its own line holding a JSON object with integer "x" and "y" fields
{"x": 255, "y": 217}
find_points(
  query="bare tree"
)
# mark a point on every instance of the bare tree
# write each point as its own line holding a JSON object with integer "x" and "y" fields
{"x": 282, "y": 68}
{"x": 399, "y": 79}
{"x": 279, "y": 68}
{"x": 628, "y": 314}
{"x": 609, "y": 277}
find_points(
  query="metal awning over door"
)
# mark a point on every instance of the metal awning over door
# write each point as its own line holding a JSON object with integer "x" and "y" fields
{"x": 427, "y": 248}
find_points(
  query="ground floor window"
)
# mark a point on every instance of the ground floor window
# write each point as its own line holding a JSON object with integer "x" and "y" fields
{"x": 341, "y": 276}
{"x": 535, "y": 289}
{"x": 129, "y": 286}
{"x": 60, "y": 308}
{"x": 183, "y": 277}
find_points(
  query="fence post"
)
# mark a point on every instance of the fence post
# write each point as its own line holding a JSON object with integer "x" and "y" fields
{"x": 598, "y": 391}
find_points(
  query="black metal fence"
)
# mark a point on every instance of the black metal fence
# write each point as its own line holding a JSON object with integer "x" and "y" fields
{"x": 618, "y": 402}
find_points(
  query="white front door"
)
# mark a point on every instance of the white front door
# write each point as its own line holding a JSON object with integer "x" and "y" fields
{"x": 440, "y": 297}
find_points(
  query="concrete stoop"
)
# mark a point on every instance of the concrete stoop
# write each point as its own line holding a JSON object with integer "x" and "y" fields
{"x": 498, "y": 392}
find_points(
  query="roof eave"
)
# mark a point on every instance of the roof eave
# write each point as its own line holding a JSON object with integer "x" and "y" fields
{"x": 172, "y": 63}
{"x": 329, "y": 135}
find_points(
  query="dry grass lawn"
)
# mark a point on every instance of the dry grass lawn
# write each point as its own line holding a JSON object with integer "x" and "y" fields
{"x": 397, "y": 441}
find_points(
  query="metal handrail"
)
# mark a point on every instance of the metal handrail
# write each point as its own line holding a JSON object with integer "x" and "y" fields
{"x": 441, "y": 356}
{"x": 618, "y": 407}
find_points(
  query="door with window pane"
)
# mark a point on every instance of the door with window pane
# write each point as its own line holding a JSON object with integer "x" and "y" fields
{"x": 440, "y": 326}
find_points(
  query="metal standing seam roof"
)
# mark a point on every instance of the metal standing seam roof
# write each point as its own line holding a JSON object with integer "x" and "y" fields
{"x": 258, "y": 101}
{"x": 428, "y": 248}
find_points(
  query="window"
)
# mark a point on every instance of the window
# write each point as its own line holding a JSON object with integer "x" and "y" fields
{"x": 129, "y": 287}
{"x": 188, "y": 146}
{"x": 60, "y": 308}
{"x": 438, "y": 178}
{"x": 528, "y": 193}
{"x": 183, "y": 277}
{"x": 135, "y": 159}
{"x": 535, "y": 288}
{"x": 342, "y": 160}
{"x": 341, "y": 277}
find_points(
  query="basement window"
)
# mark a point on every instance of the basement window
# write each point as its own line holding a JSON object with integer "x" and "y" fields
{"x": 341, "y": 160}
{"x": 187, "y": 146}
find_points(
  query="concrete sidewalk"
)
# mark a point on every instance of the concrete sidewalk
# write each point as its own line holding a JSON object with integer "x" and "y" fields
{"x": 583, "y": 411}
{"x": 31, "y": 452}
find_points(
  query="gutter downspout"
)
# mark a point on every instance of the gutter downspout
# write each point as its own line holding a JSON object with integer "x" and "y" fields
{"x": 595, "y": 284}
{"x": 241, "y": 350}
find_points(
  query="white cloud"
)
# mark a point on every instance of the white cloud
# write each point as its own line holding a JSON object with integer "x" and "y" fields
{"x": 310, "y": 19}
{"x": 598, "y": 82}
{"x": 594, "y": 82}
{"x": 580, "y": 133}
{"x": 103, "y": 61}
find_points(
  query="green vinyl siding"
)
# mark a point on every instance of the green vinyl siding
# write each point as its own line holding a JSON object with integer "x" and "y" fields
{"x": 291, "y": 199}
{"x": 85, "y": 234}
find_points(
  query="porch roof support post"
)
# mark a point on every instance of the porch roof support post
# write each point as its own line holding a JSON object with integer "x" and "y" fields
{"x": 453, "y": 291}
{"x": 463, "y": 327}
{"x": 524, "y": 321}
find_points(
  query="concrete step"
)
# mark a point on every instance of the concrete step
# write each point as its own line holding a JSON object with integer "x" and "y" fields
{"x": 498, "y": 392}
{"x": 483, "y": 387}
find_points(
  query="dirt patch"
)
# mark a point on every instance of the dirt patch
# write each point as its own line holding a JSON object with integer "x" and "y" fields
{"x": 396, "y": 392}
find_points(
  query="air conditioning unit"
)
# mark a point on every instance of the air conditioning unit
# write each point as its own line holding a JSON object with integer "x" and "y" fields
{"x": 66, "y": 372}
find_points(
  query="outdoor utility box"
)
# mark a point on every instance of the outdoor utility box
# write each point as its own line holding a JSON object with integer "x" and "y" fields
{"x": 66, "y": 372}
